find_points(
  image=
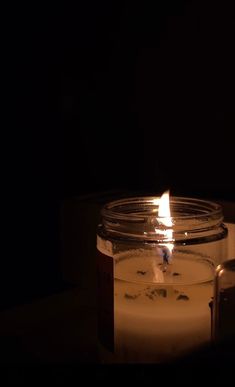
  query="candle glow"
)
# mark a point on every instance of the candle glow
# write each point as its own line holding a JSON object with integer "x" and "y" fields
{"x": 162, "y": 286}
{"x": 165, "y": 230}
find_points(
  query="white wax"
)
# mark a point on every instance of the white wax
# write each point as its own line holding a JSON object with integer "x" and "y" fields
{"x": 158, "y": 316}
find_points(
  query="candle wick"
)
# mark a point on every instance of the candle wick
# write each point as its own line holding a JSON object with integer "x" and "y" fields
{"x": 166, "y": 257}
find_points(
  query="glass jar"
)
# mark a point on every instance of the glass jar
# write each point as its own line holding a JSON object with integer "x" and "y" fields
{"x": 155, "y": 277}
{"x": 224, "y": 304}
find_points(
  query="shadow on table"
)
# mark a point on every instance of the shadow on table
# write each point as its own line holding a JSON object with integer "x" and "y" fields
{"x": 212, "y": 365}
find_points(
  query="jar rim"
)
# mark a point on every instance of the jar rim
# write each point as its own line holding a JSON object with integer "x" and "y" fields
{"x": 137, "y": 218}
{"x": 116, "y": 208}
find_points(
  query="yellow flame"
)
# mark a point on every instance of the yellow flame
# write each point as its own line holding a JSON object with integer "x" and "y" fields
{"x": 164, "y": 209}
{"x": 164, "y": 218}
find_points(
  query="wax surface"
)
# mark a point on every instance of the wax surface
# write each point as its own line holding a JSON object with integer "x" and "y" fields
{"x": 160, "y": 315}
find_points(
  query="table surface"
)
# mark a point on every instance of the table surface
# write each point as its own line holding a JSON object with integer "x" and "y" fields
{"x": 61, "y": 328}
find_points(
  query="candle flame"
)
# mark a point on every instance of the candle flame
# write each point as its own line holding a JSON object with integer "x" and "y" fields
{"x": 165, "y": 221}
{"x": 164, "y": 209}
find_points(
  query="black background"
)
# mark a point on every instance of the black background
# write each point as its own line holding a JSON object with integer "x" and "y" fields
{"x": 110, "y": 95}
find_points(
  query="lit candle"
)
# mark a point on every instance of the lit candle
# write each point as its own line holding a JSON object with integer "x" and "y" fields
{"x": 159, "y": 303}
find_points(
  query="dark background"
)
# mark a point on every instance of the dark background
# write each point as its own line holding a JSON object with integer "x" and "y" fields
{"x": 110, "y": 95}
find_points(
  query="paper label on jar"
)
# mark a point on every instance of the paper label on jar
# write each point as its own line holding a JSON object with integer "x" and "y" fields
{"x": 105, "y": 293}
